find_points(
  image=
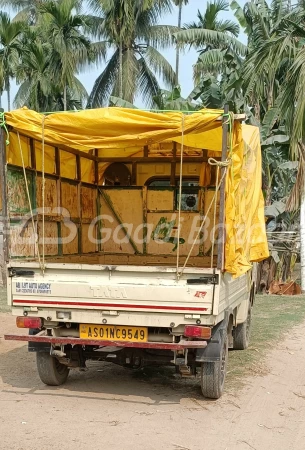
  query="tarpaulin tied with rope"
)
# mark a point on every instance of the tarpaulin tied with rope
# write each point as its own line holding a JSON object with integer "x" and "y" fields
{"x": 118, "y": 132}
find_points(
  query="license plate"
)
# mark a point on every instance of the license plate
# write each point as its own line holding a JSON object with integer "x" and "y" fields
{"x": 113, "y": 333}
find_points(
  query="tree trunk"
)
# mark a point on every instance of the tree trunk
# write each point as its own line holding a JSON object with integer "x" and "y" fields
{"x": 8, "y": 90}
{"x": 177, "y": 47}
{"x": 257, "y": 111}
{"x": 302, "y": 236}
{"x": 270, "y": 96}
{"x": 65, "y": 97}
{"x": 121, "y": 69}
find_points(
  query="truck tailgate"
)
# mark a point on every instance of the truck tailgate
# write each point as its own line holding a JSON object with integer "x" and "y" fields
{"x": 121, "y": 288}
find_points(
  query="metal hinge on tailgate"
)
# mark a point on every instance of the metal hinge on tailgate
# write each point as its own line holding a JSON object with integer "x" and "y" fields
{"x": 20, "y": 273}
{"x": 205, "y": 279}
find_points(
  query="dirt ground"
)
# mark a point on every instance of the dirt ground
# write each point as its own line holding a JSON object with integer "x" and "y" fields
{"x": 109, "y": 407}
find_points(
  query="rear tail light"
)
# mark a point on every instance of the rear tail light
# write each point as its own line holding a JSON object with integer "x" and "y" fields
{"x": 197, "y": 332}
{"x": 28, "y": 322}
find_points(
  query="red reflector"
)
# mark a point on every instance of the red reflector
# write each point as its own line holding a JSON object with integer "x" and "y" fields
{"x": 197, "y": 332}
{"x": 28, "y": 322}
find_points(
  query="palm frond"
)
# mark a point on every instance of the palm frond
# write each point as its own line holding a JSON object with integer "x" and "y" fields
{"x": 227, "y": 26}
{"x": 98, "y": 51}
{"x": 148, "y": 85}
{"x": 239, "y": 14}
{"x": 120, "y": 103}
{"x": 103, "y": 85}
{"x": 160, "y": 36}
{"x": 198, "y": 38}
{"x": 160, "y": 66}
{"x": 212, "y": 59}
{"x": 79, "y": 89}
{"x": 22, "y": 95}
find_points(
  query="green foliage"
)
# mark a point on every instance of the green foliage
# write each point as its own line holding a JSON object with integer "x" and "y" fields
{"x": 10, "y": 50}
{"x": 134, "y": 38}
{"x": 49, "y": 42}
{"x": 120, "y": 103}
{"x": 172, "y": 100}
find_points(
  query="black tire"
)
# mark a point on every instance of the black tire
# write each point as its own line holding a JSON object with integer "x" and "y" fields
{"x": 213, "y": 374}
{"x": 50, "y": 370}
{"x": 241, "y": 334}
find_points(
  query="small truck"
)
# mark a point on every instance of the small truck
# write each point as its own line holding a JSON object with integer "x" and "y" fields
{"x": 131, "y": 237}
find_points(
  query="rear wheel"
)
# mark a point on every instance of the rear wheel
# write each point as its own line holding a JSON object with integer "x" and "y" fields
{"x": 241, "y": 334}
{"x": 50, "y": 370}
{"x": 213, "y": 374}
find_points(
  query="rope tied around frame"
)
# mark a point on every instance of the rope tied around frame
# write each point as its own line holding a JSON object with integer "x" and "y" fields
{"x": 30, "y": 203}
{"x": 219, "y": 164}
{"x": 43, "y": 192}
{"x": 180, "y": 195}
{"x": 3, "y": 125}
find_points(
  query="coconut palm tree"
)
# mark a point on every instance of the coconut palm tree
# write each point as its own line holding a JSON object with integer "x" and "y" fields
{"x": 33, "y": 75}
{"x": 179, "y": 4}
{"x": 273, "y": 71}
{"x": 39, "y": 89}
{"x": 64, "y": 29}
{"x": 27, "y": 10}
{"x": 130, "y": 31}
{"x": 274, "y": 76}
{"x": 10, "y": 48}
{"x": 213, "y": 38}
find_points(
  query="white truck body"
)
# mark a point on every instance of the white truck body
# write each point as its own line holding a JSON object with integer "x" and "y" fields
{"x": 122, "y": 245}
{"x": 124, "y": 295}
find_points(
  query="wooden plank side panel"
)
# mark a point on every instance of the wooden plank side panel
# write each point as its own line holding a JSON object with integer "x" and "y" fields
{"x": 134, "y": 260}
{"x": 50, "y": 238}
{"x": 88, "y": 202}
{"x": 69, "y": 198}
{"x": 22, "y": 240}
{"x": 163, "y": 233}
{"x": 89, "y": 237}
{"x": 128, "y": 207}
{"x": 69, "y": 236}
{"x": 160, "y": 200}
{"x": 113, "y": 238}
{"x": 18, "y": 202}
{"x": 50, "y": 195}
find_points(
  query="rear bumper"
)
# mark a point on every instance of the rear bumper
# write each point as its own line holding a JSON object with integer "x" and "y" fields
{"x": 183, "y": 344}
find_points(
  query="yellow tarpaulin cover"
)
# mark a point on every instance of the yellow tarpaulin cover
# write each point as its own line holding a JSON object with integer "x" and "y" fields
{"x": 124, "y": 132}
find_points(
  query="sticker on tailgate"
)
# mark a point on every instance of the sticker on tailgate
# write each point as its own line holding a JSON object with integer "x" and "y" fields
{"x": 200, "y": 294}
{"x": 34, "y": 288}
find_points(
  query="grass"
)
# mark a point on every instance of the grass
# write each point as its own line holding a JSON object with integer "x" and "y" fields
{"x": 273, "y": 317}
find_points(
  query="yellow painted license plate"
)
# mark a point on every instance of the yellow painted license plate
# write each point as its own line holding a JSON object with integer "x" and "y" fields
{"x": 113, "y": 333}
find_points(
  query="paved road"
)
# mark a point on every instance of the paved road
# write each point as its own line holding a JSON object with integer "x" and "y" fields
{"x": 109, "y": 407}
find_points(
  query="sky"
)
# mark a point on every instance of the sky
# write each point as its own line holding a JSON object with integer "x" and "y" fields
{"x": 187, "y": 59}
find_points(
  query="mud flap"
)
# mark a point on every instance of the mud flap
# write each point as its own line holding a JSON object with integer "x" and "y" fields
{"x": 37, "y": 346}
{"x": 212, "y": 351}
